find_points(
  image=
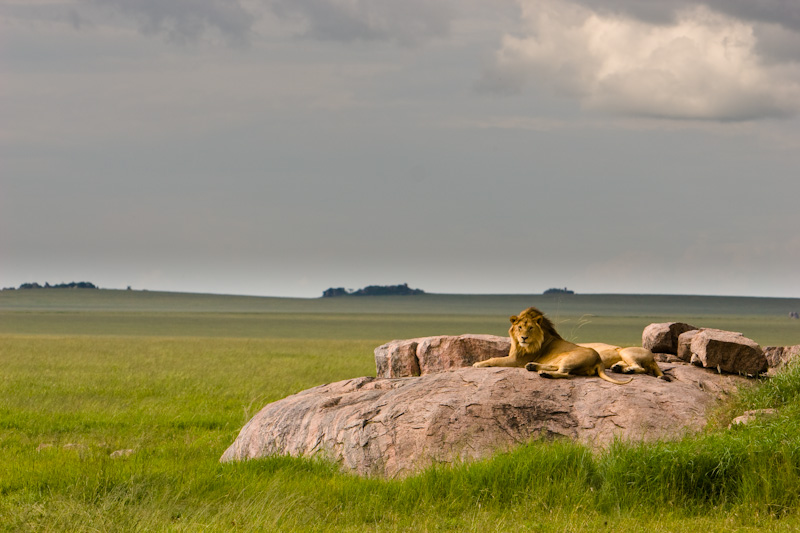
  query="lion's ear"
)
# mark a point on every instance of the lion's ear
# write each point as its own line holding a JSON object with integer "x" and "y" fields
{"x": 538, "y": 319}
{"x": 514, "y": 319}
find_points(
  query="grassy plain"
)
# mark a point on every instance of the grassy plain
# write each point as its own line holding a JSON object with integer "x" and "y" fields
{"x": 174, "y": 377}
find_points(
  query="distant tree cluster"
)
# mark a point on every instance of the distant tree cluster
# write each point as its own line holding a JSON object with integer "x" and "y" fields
{"x": 373, "y": 290}
{"x": 559, "y": 291}
{"x": 72, "y": 285}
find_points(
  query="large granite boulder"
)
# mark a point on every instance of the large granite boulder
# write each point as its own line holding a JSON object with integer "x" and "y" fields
{"x": 663, "y": 337}
{"x": 429, "y": 355}
{"x": 727, "y": 351}
{"x": 394, "y": 426}
{"x": 447, "y": 411}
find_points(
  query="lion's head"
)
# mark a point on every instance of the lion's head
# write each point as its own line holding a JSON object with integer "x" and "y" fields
{"x": 531, "y": 329}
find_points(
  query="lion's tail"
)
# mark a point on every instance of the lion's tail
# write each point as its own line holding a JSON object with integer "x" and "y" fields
{"x": 602, "y": 374}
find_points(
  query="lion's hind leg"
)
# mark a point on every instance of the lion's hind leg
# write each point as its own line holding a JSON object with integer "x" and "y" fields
{"x": 641, "y": 361}
{"x": 618, "y": 368}
{"x": 552, "y": 374}
{"x": 570, "y": 364}
{"x": 627, "y": 368}
{"x": 538, "y": 367}
{"x": 548, "y": 370}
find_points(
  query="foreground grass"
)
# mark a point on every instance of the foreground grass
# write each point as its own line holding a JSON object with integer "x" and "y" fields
{"x": 69, "y": 402}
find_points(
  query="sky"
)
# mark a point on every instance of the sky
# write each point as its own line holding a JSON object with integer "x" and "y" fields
{"x": 281, "y": 147}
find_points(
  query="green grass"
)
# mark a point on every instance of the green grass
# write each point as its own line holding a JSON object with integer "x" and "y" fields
{"x": 175, "y": 385}
{"x": 582, "y": 318}
{"x": 617, "y": 305}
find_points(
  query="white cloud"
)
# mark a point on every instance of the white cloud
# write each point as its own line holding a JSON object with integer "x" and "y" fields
{"x": 703, "y": 65}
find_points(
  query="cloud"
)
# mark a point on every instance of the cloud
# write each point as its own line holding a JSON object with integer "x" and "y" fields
{"x": 43, "y": 11}
{"x": 179, "y": 21}
{"x": 782, "y": 12}
{"x": 777, "y": 44}
{"x": 699, "y": 64}
{"x": 187, "y": 20}
{"x": 408, "y": 22}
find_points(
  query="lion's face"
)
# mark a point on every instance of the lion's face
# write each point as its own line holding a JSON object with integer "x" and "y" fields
{"x": 527, "y": 332}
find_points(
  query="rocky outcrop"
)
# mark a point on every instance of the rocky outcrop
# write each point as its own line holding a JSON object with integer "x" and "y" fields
{"x": 447, "y": 411}
{"x": 393, "y": 427}
{"x": 727, "y": 351}
{"x": 663, "y": 337}
{"x": 430, "y": 355}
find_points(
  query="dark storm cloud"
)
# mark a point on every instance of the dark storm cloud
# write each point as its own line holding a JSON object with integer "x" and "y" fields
{"x": 783, "y": 12}
{"x": 654, "y": 11}
{"x": 186, "y": 20}
{"x": 777, "y": 44}
{"x": 408, "y": 22}
{"x": 44, "y": 12}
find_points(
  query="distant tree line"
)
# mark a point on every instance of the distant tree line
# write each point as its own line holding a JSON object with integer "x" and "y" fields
{"x": 559, "y": 291}
{"x": 373, "y": 290}
{"x": 71, "y": 285}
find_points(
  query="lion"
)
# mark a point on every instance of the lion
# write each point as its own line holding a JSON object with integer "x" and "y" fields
{"x": 537, "y": 346}
{"x": 632, "y": 360}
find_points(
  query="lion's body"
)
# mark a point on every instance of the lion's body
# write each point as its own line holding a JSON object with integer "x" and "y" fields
{"x": 632, "y": 360}
{"x": 537, "y": 346}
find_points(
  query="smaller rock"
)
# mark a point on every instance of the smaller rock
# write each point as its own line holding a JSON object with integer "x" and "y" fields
{"x": 727, "y": 351}
{"x": 666, "y": 358}
{"x": 431, "y": 355}
{"x": 780, "y": 356}
{"x": 442, "y": 354}
{"x": 121, "y": 453}
{"x": 685, "y": 345}
{"x": 397, "y": 359}
{"x": 663, "y": 337}
{"x": 752, "y": 416}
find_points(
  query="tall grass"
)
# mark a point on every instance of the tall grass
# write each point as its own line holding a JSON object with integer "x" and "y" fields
{"x": 754, "y": 466}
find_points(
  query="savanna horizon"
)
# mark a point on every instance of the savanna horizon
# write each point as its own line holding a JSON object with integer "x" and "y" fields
{"x": 616, "y": 319}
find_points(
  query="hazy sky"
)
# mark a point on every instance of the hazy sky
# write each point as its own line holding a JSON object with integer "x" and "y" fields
{"x": 281, "y": 147}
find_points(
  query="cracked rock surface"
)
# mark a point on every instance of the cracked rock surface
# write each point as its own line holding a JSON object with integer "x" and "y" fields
{"x": 394, "y": 426}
